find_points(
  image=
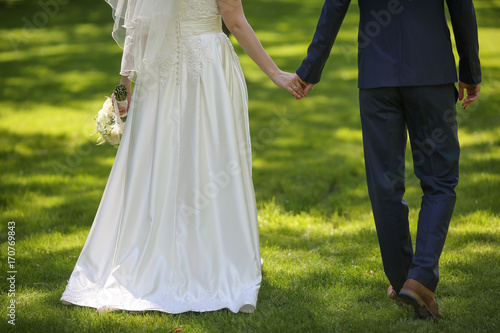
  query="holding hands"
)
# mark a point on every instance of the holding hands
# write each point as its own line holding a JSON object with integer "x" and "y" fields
{"x": 293, "y": 83}
{"x": 290, "y": 82}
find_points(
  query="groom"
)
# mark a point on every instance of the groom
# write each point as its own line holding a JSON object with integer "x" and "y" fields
{"x": 406, "y": 83}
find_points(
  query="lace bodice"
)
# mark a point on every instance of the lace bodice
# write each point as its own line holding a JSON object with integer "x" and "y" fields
{"x": 197, "y": 9}
{"x": 191, "y": 49}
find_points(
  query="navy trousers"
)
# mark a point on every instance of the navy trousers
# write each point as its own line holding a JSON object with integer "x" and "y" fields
{"x": 428, "y": 115}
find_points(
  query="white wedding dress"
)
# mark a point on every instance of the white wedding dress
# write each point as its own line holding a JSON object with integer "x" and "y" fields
{"x": 176, "y": 229}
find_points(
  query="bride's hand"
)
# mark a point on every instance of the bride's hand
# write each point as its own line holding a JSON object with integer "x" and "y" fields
{"x": 122, "y": 110}
{"x": 290, "y": 82}
{"x": 127, "y": 83}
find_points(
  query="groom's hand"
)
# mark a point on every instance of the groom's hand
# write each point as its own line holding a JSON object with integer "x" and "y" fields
{"x": 308, "y": 87}
{"x": 472, "y": 93}
{"x": 305, "y": 85}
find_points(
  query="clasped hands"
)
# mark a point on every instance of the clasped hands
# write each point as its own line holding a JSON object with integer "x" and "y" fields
{"x": 293, "y": 83}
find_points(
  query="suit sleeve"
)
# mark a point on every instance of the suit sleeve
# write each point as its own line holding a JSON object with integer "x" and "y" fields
{"x": 463, "y": 20}
{"x": 329, "y": 23}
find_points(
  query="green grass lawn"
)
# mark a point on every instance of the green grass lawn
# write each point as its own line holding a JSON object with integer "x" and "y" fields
{"x": 323, "y": 271}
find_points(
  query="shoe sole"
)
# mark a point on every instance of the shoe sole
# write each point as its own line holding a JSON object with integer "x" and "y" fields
{"x": 411, "y": 298}
{"x": 107, "y": 309}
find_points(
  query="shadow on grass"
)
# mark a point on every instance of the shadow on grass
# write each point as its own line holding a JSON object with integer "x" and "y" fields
{"x": 305, "y": 295}
{"x": 47, "y": 185}
{"x": 59, "y": 61}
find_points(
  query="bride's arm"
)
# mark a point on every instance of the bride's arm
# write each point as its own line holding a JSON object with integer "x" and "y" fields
{"x": 234, "y": 18}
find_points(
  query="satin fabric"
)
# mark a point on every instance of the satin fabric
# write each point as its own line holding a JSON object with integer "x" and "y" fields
{"x": 176, "y": 229}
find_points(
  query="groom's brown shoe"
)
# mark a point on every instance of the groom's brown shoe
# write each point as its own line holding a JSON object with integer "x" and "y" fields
{"x": 421, "y": 298}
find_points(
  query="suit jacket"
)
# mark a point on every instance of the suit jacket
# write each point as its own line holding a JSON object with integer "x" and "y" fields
{"x": 401, "y": 42}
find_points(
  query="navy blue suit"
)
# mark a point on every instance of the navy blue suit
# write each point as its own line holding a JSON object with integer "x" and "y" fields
{"x": 406, "y": 78}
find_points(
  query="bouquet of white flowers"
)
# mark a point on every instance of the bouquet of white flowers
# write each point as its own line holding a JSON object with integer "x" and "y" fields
{"x": 109, "y": 122}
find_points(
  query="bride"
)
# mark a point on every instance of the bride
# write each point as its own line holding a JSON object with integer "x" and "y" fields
{"x": 176, "y": 229}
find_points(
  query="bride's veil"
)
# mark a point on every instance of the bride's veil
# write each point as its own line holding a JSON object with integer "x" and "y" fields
{"x": 146, "y": 30}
